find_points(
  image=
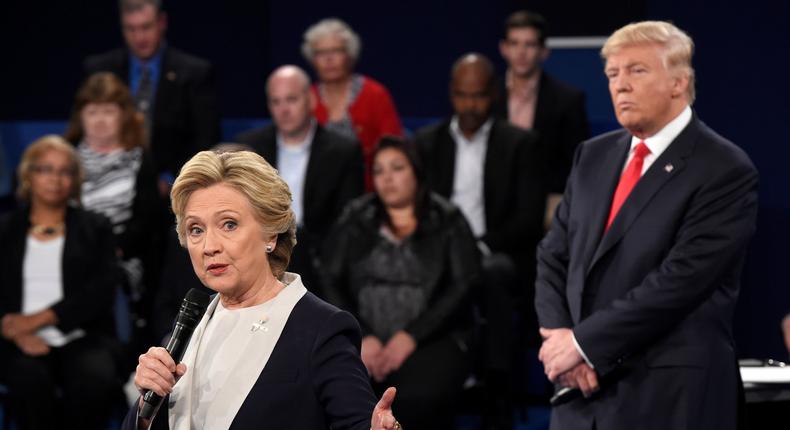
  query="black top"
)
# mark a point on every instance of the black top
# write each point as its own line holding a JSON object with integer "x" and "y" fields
{"x": 90, "y": 273}
{"x": 442, "y": 266}
{"x": 560, "y": 124}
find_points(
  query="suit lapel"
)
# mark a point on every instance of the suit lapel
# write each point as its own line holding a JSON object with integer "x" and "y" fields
{"x": 165, "y": 85}
{"x": 667, "y": 166}
{"x": 543, "y": 105}
{"x": 445, "y": 157}
{"x": 267, "y": 146}
{"x": 313, "y": 174}
{"x": 493, "y": 168}
{"x": 601, "y": 192}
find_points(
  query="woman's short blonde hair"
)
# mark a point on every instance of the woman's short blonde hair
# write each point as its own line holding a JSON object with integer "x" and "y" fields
{"x": 34, "y": 152}
{"x": 331, "y": 27}
{"x": 677, "y": 46}
{"x": 248, "y": 173}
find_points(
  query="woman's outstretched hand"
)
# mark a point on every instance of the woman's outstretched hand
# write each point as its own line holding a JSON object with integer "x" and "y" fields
{"x": 382, "y": 418}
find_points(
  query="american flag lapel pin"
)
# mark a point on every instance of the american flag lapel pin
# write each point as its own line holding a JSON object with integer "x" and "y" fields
{"x": 669, "y": 167}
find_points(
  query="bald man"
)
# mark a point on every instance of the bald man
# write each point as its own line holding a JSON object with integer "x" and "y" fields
{"x": 323, "y": 169}
{"x": 493, "y": 172}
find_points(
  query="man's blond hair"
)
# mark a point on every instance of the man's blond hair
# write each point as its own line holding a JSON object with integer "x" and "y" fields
{"x": 677, "y": 46}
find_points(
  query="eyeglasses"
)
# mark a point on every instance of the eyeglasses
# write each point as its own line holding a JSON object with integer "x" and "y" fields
{"x": 329, "y": 51}
{"x": 47, "y": 170}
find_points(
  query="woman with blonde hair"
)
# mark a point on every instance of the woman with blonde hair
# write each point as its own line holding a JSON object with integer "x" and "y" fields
{"x": 267, "y": 353}
{"x": 57, "y": 283}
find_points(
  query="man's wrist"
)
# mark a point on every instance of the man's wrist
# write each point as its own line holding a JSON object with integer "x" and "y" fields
{"x": 581, "y": 351}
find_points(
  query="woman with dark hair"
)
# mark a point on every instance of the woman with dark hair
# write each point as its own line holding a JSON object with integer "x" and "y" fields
{"x": 404, "y": 261}
{"x": 57, "y": 282}
{"x": 120, "y": 181}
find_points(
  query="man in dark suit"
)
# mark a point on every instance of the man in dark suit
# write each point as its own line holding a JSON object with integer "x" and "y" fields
{"x": 493, "y": 172}
{"x": 323, "y": 169}
{"x": 531, "y": 99}
{"x": 639, "y": 274}
{"x": 173, "y": 89}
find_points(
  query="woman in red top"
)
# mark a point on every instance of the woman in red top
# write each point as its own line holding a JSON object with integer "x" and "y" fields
{"x": 351, "y": 104}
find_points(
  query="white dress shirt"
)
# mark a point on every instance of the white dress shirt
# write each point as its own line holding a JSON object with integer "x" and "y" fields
{"x": 660, "y": 141}
{"x": 468, "y": 179}
{"x": 292, "y": 162}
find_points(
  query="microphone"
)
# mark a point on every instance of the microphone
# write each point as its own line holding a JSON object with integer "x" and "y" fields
{"x": 192, "y": 309}
{"x": 564, "y": 395}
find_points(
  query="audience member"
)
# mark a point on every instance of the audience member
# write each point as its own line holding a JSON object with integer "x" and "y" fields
{"x": 403, "y": 261}
{"x": 174, "y": 90}
{"x": 351, "y": 104}
{"x": 322, "y": 168}
{"x": 57, "y": 282}
{"x": 493, "y": 172}
{"x": 534, "y": 100}
{"x": 120, "y": 181}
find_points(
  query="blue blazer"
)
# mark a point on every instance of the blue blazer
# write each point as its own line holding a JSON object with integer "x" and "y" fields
{"x": 651, "y": 301}
{"x": 314, "y": 379}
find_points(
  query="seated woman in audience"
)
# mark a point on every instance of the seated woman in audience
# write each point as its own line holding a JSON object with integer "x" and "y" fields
{"x": 120, "y": 181}
{"x": 352, "y": 104}
{"x": 57, "y": 283}
{"x": 403, "y": 261}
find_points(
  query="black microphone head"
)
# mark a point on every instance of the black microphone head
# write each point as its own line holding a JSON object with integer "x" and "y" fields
{"x": 198, "y": 297}
{"x": 192, "y": 308}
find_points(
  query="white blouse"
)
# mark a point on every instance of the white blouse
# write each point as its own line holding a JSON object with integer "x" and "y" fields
{"x": 42, "y": 280}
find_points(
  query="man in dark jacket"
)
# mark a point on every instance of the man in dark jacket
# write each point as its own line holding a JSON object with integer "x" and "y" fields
{"x": 323, "y": 169}
{"x": 173, "y": 89}
{"x": 493, "y": 172}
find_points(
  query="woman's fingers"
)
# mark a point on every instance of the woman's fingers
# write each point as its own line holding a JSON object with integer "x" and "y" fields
{"x": 156, "y": 371}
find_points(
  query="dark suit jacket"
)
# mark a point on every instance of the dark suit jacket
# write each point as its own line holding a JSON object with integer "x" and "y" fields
{"x": 186, "y": 116}
{"x": 560, "y": 122}
{"x": 90, "y": 274}
{"x": 651, "y": 301}
{"x": 314, "y": 378}
{"x": 334, "y": 174}
{"x": 514, "y": 190}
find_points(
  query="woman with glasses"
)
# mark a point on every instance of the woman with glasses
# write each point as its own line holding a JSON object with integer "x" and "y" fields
{"x": 57, "y": 279}
{"x": 351, "y": 104}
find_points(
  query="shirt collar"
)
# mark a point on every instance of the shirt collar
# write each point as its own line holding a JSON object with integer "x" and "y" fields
{"x": 481, "y": 133}
{"x": 153, "y": 63}
{"x": 528, "y": 91}
{"x": 300, "y": 147}
{"x": 660, "y": 141}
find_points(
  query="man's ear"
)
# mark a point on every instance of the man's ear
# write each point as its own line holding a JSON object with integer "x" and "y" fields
{"x": 161, "y": 21}
{"x": 680, "y": 84}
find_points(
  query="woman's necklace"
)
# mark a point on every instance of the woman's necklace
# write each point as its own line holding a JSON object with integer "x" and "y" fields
{"x": 47, "y": 230}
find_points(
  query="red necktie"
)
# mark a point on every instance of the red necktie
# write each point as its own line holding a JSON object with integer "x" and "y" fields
{"x": 629, "y": 179}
